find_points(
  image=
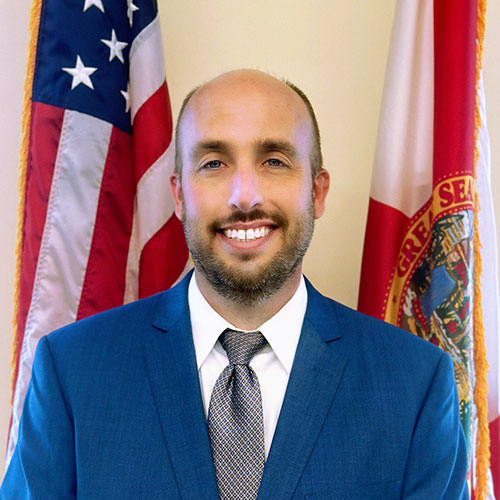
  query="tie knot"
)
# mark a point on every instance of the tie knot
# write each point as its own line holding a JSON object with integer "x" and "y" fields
{"x": 241, "y": 347}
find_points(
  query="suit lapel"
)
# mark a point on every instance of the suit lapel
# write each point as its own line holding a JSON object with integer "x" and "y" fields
{"x": 317, "y": 369}
{"x": 171, "y": 365}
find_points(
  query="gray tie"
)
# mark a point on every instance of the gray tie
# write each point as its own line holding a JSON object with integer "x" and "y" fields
{"x": 235, "y": 421}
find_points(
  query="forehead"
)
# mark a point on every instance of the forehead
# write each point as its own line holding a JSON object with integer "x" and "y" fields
{"x": 243, "y": 109}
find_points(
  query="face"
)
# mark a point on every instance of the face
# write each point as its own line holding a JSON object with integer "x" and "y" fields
{"x": 245, "y": 195}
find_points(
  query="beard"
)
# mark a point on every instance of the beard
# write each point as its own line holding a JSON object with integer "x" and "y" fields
{"x": 250, "y": 288}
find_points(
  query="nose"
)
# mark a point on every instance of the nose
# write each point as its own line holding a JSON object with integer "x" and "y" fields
{"x": 245, "y": 190}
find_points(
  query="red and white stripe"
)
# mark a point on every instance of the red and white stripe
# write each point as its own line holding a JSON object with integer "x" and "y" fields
{"x": 99, "y": 228}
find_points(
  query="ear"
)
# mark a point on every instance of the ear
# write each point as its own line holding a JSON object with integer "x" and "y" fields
{"x": 175, "y": 187}
{"x": 321, "y": 185}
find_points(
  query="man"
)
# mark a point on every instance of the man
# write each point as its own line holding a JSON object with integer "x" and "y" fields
{"x": 141, "y": 403}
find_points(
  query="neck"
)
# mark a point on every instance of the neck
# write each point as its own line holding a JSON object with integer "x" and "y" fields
{"x": 248, "y": 317}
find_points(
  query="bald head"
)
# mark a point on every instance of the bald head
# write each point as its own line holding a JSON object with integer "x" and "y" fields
{"x": 245, "y": 87}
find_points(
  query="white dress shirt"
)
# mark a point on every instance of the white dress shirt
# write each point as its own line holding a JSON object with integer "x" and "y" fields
{"x": 272, "y": 365}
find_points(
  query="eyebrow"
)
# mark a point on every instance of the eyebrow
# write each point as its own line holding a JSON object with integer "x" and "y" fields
{"x": 261, "y": 145}
{"x": 268, "y": 145}
{"x": 208, "y": 146}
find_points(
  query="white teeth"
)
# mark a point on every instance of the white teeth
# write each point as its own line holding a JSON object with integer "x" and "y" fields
{"x": 248, "y": 235}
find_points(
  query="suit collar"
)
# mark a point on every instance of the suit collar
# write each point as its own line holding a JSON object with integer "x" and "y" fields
{"x": 173, "y": 305}
{"x": 322, "y": 313}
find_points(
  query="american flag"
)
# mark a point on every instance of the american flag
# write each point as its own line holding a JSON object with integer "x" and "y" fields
{"x": 96, "y": 227}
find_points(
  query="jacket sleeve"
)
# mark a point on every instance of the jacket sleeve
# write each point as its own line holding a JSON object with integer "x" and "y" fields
{"x": 43, "y": 463}
{"x": 437, "y": 461}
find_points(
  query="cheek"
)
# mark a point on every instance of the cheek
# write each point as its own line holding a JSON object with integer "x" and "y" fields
{"x": 293, "y": 197}
{"x": 199, "y": 202}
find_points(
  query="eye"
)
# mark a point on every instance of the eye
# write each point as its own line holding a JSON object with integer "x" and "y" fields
{"x": 212, "y": 164}
{"x": 275, "y": 163}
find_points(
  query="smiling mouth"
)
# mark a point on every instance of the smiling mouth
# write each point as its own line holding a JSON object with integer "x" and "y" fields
{"x": 248, "y": 234}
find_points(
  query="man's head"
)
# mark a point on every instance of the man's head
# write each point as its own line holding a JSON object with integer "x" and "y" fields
{"x": 246, "y": 192}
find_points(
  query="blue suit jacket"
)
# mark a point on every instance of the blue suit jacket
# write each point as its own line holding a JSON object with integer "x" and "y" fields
{"x": 114, "y": 411}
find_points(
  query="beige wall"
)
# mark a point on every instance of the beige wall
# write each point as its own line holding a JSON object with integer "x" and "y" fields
{"x": 335, "y": 50}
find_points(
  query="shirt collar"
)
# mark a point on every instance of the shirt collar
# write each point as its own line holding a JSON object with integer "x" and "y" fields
{"x": 282, "y": 331}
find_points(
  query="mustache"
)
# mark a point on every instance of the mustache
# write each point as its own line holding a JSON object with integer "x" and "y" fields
{"x": 256, "y": 214}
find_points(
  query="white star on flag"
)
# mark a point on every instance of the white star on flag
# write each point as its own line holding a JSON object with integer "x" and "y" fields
{"x": 125, "y": 94}
{"x": 97, "y": 3}
{"x": 131, "y": 8}
{"x": 115, "y": 47}
{"x": 80, "y": 74}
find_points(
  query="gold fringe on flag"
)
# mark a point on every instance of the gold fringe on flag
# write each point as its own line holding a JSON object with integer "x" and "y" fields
{"x": 480, "y": 361}
{"x": 23, "y": 167}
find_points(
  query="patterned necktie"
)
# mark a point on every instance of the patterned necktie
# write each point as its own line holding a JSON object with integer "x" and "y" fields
{"x": 235, "y": 421}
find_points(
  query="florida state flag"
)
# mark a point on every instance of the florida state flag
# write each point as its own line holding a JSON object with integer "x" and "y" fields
{"x": 430, "y": 210}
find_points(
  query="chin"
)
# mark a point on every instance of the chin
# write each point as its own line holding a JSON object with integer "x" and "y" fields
{"x": 248, "y": 288}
